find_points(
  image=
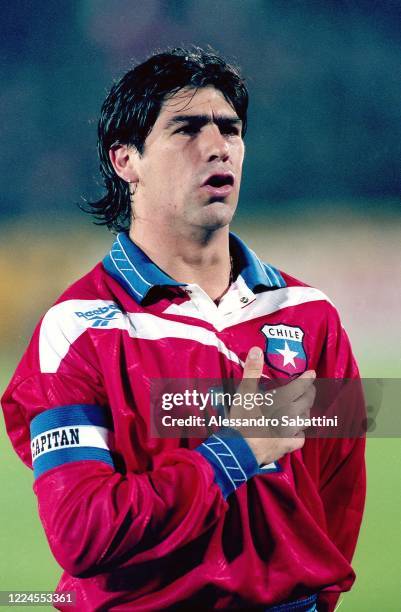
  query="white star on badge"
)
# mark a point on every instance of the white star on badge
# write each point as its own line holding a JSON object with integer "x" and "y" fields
{"x": 288, "y": 355}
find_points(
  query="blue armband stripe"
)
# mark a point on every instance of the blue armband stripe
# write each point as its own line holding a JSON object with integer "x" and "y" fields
{"x": 65, "y": 434}
{"x": 64, "y": 416}
{"x": 68, "y": 455}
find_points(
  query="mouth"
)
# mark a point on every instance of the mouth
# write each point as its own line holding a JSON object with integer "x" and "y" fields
{"x": 219, "y": 184}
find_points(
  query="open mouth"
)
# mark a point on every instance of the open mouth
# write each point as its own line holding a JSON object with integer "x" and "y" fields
{"x": 219, "y": 180}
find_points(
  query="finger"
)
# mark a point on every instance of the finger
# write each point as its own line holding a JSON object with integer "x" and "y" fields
{"x": 299, "y": 408}
{"x": 252, "y": 369}
{"x": 297, "y": 441}
{"x": 303, "y": 404}
{"x": 308, "y": 374}
{"x": 254, "y": 363}
{"x": 294, "y": 389}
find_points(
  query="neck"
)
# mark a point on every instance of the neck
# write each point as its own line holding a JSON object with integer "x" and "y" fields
{"x": 202, "y": 258}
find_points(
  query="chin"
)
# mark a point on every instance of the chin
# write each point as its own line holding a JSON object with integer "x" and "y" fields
{"x": 217, "y": 218}
{"x": 218, "y": 212}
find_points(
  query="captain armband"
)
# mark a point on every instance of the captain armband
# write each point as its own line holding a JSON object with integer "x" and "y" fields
{"x": 72, "y": 433}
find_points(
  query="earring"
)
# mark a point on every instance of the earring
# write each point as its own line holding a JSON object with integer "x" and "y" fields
{"x": 132, "y": 185}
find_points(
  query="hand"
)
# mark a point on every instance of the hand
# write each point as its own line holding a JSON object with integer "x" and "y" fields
{"x": 295, "y": 398}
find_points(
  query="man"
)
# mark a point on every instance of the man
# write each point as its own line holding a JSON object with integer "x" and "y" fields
{"x": 145, "y": 523}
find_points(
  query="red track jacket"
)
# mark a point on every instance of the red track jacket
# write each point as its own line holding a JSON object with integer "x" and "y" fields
{"x": 145, "y": 524}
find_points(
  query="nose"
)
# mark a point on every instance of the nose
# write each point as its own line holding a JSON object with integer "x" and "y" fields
{"x": 214, "y": 145}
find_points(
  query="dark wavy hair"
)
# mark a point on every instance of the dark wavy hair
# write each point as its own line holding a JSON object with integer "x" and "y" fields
{"x": 133, "y": 104}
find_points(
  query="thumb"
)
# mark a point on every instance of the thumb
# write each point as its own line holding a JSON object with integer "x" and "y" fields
{"x": 252, "y": 372}
{"x": 254, "y": 363}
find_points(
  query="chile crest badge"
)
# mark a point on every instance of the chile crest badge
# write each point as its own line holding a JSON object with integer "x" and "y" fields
{"x": 284, "y": 348}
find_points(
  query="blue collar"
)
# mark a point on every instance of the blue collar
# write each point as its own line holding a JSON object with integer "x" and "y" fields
{"x": 254, "y": 272}
{"x": 133, "y": 269}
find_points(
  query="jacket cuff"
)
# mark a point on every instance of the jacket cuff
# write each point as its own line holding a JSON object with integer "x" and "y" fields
{"x": 231, "y": 458}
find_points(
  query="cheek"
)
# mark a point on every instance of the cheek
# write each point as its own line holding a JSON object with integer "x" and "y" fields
{"x": 238, "y": 155}
{"x": 242, "y": 152}
{"x": 177, "y": 172}
{"x": 155, "y": 163}
{"x": 165, "y": 181}
{"x": 174, "y": 167}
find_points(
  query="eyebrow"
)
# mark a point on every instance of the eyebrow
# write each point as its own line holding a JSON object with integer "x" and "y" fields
{"x": 201, "y": 120}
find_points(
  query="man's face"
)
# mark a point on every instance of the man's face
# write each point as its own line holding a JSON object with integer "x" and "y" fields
{"x": 190, "y": 172}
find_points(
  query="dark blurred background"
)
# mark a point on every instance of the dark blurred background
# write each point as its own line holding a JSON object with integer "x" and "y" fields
{"x": 324, "y": 78}
{"x": 320, "y": 196}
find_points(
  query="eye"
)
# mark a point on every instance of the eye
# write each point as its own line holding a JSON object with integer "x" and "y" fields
{"x": 188, "y": 130}
{"x": 230, "y": 130}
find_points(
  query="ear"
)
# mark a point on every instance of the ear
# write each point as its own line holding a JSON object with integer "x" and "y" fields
{"x": 124, "y": 160}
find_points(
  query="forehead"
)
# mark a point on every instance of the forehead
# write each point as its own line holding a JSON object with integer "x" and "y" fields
{"x": 203, "y": 101}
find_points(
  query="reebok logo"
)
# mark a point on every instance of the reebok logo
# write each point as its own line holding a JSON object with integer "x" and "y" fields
{"x": 102, "y": 316}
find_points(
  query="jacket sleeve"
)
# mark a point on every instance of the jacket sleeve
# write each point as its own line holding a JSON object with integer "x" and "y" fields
{"x": 342, "y": 460}
{"x": 96, "y": 516}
